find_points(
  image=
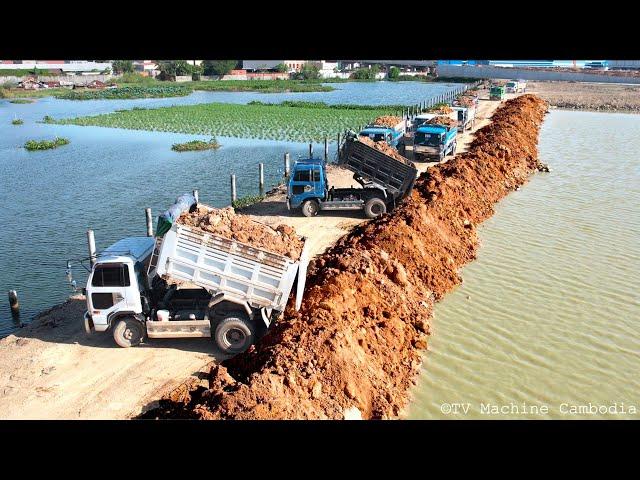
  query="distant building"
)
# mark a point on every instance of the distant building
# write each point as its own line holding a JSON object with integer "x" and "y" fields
{"x": 146, "y": 67}
{"x": 256, "y": 65}
{"x": 63, "y": 66}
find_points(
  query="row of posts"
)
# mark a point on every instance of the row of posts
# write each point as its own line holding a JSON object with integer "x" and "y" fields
{"x": 409, "y": 112}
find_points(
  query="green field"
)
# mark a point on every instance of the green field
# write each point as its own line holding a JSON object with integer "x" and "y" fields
{"x": 276, "y": 122}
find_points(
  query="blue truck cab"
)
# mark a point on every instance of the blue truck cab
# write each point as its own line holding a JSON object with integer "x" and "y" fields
{"x": 308, "y": 180}
{"x": 379, "y": 134}
{"x": 434, "y": 141}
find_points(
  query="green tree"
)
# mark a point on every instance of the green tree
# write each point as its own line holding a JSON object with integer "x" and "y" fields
{"x": 282, "y": 68}
{"x": 122, "y": 66}
{"x": 219, "y": 67}
{"x": 394, "y": 72}
{"x": 308, "y": 72}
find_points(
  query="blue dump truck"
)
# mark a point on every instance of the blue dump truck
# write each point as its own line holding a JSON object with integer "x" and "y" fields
{"x": 384, "y": 179}
{"x": 391, "y": 134}
{"x": 433, "y": 140}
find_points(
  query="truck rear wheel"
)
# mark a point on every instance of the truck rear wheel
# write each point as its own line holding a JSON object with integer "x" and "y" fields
{"x": 235, "y": 333}
{"x": 128, "y": 332}
{"x": 310, "y": 208}
{"x": 374, "y": 208}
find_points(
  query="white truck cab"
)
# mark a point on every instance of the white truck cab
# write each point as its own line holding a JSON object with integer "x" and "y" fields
{"x": 116, "y": 282}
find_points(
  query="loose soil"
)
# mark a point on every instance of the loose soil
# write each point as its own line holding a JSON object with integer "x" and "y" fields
{"x": 353, "y": 349}
{"x": 385, "y": 148}
{"x": 228, "y": 224}
{"x": 601, "y": 97}
{"x": 387, "y": 121}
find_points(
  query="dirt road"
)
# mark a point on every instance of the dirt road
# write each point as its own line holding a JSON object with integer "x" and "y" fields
{"x": 52, "y": 370}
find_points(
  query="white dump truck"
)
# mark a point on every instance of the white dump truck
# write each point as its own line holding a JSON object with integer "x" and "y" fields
{"x": 190, "y": 283}
{"x": 466, "y": 117}
{"x": 516, "y": 86}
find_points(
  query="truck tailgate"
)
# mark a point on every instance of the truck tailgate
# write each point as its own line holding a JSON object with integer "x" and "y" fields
{"x": 396, "y": 176}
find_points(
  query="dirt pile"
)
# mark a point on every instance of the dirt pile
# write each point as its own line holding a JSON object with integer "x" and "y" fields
{"x": 356, "y": 342}
{"x": 385, "y": 148}
{"x": 441, "y": 120}
{"x": 387, "y": 121}
{"x": 466, "y": 101}
{"x": 228, "y": 224}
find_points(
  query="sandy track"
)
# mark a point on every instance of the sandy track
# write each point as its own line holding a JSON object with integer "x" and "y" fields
{"x": 52, "y": 370}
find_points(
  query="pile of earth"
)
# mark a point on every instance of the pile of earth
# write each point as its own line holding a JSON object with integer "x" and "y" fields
{"x": 385, "y": 148}
{"x": 442, "y": 120}
{"x": 387, "y": 121}
{"x": 225, "y": 222}
{"x": 354, "y": 348}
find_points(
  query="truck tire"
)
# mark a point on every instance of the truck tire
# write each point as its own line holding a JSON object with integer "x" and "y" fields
{"x": 374, "y": 207}
{"x": 310, "y": 208}
{"x": 128, "y": 332}
{"x": 235, "y": 333}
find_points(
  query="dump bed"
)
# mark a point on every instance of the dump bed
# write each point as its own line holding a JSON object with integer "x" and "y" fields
{"x": 391, "y": 173}
{"x": 221, "y": 265}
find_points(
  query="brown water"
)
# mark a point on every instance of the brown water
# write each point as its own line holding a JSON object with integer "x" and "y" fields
{"x": 547, "y": 321}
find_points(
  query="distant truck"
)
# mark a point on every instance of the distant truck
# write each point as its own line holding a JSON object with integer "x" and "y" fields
{"x": 497, "y": 92}
{"x": 384, "y": 179}
{"x": 516, "y": 86}
{"x": 223, "y": 289}
{"x": 378, "y": 133}
{"x": 466, "y": 117}
{"x": 434, "y": 141}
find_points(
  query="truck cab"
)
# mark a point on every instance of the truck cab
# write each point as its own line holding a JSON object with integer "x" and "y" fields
{"x": 382, "y": 134}
{"x": 117, "y": 283}
{"x": 465, "y": 116}
{"x": 434, "y": 141}
{"x": 308, "y": 181}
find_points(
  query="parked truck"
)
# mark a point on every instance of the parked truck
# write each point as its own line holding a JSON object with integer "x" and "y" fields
{"x": 466, "y": 117}
{"x": 434, "y": 141}
{"x": 497, "y": 92}
{"x": 389, "y": 134}
{"x": 190, "y": 283}
{"x": 384, "y": 181}
{"x": 516, "y": 86}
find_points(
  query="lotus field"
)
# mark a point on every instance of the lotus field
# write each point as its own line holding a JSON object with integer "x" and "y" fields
{"x": 273, "y": 122}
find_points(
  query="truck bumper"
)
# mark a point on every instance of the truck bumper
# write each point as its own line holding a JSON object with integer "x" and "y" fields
{"x": 427, "y": 151}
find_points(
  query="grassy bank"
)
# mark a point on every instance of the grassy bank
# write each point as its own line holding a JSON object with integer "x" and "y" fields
{"x": 127, "y": 92}
{"x": 264, "y": 121}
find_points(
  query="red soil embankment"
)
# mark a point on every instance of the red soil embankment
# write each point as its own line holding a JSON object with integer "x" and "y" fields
{"x": 357, "y": 339}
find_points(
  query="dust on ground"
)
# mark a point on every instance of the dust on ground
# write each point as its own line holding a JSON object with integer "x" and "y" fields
{"x": 604, "y": 97}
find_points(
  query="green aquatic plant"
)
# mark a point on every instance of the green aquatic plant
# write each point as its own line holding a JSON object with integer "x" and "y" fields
{"x": 45, "y": 144}
{"x": 195, "y": 145}
{"x": 298, "y": 123}
{"x": 245, "y": 201}
{"x": 17, "y": 121}
{"x": 21, "y": 100}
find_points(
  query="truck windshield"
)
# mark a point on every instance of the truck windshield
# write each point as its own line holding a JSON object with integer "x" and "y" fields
{"x": 428, "y": 139}
{"x": 511, "y": 84}
{"x": 307, "y": 176}
{"x": 111, "y": 275}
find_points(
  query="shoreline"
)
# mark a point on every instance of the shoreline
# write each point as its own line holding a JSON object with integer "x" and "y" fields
{"x": 355, "y": 347}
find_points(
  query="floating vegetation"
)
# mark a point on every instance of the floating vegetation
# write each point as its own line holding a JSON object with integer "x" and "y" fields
{"x": 17, "y": 121}
{"x": 243, "y": 202}
{"x": 298, "y": 123}
{"x": 194, "y": 145}
{"x": 127, "y": 92}
{"x": 21, "y": 100}
{"x": 263, "y": 86}
{"x": 45, "y": 144}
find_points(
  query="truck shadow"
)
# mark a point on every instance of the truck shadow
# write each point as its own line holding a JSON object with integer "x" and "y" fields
{"x": 63, "y": 324}
{"x": 276, "y": 206}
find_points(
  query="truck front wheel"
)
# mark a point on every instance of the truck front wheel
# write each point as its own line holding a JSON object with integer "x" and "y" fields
{"x": 235, "y": 333}
{"x": 310, "y": 208}
{"x": 128, "y": 332}
{"x": 374, "y": 208}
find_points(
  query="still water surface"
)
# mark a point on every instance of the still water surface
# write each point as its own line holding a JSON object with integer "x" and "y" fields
{"x": 106, "y": 177}
{"x": 549, "y": 314}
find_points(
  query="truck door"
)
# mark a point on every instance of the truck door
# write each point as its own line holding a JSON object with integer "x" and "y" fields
{"x": 305, "y": 184}
{"x": 110, "y": 283}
